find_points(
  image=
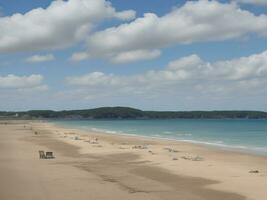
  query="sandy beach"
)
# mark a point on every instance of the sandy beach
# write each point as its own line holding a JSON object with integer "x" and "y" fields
{"x": 90, "y": 165}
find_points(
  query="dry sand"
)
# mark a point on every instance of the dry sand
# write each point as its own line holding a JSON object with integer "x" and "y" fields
{"x": 120, "y": 167}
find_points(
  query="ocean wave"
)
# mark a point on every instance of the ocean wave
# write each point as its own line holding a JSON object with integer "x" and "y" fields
{"x": 183, "y": 134}
{"x": 168, "y": 132}
{"x": 219, "y": 143}
{"x": 232, "y": 144}
{"x": 253, "y": 149}
{"x": 104, "y": 130}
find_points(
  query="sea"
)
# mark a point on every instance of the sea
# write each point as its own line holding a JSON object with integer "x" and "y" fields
{"x": 244, "y": 135}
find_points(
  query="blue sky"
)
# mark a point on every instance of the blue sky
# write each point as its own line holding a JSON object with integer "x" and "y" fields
{"x": 183, "y": 55}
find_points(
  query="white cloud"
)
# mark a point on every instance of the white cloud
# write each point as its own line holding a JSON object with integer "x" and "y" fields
{"x": 131, "y": 56}
{"x": 185, "y": 76}
{"x": 256, "y": 2}
{"x": 59, "y": 25}
{"x": 79, "y": 56}
{"x": 23, "y": 92}
{"x": 40, "y": 58}
{"x": 195, "y": 21}
{"x": 32, "y": 82}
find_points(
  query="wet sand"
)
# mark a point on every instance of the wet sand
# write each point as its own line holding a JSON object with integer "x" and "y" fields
{"x": 115, "y": 167}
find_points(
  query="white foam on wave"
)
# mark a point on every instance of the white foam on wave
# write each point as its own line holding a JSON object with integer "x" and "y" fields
{"x": 221, "y": 144}
{"x": 183, "y": 134}
{"x": 104, "y": 131}
{"x": 218, "y": 144}
{"x": 168, "y": 132}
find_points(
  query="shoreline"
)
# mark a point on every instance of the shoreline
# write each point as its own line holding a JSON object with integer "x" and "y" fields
{"x": 216, "y": 146}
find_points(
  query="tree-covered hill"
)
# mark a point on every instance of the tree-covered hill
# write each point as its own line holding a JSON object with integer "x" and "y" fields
{"x": 131, "y": 113}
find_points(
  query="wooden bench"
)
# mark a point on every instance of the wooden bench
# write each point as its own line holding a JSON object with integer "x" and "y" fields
{"x": 42, "y": 155}
{"x": 49, "y": 155}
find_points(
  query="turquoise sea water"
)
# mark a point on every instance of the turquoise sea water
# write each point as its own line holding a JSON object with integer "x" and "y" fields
{"x": 243, "y": 135}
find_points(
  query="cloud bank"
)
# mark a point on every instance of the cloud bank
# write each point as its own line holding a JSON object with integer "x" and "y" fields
{"x": 61, "y": 24}
{"x": 32, "y": 82}
{"x": 256, "y": 2}
{"x": 188, "y": 76}
{"x": 195, "y": 21}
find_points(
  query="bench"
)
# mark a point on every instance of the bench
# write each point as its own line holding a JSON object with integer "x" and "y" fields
{"x": 42, "y": 155}
{"x": 49, "y": 155}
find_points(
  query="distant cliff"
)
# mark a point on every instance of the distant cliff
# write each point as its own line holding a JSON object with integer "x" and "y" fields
{"x": 131, "y": 113}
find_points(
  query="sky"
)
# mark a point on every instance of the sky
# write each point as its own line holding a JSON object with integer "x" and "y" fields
{"x": 151, "y": 55}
